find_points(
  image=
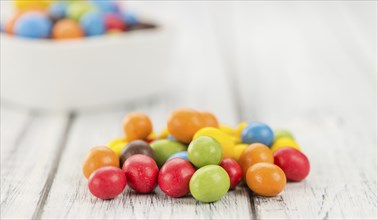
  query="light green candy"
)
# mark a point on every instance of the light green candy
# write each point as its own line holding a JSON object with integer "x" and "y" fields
{"x": 279, "y": 133}
{"x": 163, "y": 149}
{"x": 204, "y": 150}
{"x": 77, "y": 9}
{"x": 209, "y": 183}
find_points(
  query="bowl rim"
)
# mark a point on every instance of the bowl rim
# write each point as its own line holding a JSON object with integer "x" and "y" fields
{"x": 161, "y": 28}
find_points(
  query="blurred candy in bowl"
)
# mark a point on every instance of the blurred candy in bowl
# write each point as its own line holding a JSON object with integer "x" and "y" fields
{"x": 61, "y": 55}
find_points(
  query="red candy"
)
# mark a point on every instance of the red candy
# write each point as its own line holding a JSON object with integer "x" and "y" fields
{"x": 233, "y": 170}
{"x": 114, "y": 22}
{"x": 141, "y": 173}
{"x": 107, "y": 182}
{"x": 174, "y": 177}
{"x": 293, "y": 162}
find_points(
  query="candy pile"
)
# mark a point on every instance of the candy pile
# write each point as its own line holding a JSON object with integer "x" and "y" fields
{"x": 195, "y": 154}
{"x": 58, "y": 19}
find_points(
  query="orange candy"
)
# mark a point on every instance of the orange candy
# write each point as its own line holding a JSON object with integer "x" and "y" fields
{"x": 266, "y": 179}
{"x": 11, "y": 22}
{"x": 137, "y": 126}
{"x": 184, "y": 123}
{"x": 210, "y": 119}
{"x": 67, "y": 29}
{"x": 255, "y": 153}
{"x": 99, "y": 157}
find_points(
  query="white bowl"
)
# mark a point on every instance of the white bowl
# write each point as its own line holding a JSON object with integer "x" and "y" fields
{"x": 85, "y": 73}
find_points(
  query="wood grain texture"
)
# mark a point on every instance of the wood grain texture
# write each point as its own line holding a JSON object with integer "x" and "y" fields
{"x": 304, "y": 76}
{"x": 13, "y": 125}
{"x": 26, "y": 164}
{"x": 341, "y": 183}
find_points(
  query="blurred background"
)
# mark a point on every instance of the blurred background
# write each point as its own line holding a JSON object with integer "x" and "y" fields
{"x": 290, "y": 57}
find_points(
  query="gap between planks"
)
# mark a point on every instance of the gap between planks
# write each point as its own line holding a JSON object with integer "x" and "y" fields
{"x": 51, "y": 176}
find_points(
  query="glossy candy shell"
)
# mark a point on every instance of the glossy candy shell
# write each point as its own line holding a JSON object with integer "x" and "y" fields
{"x": 233, "y": 170}
{"x": 99, "y": 157}
{"x": 141, "y": 173}
{"x": 257, "y": 132}
{"x": 266, "y": 179}
{"x": 279, "y": 133}
{"x": 93, "y": 23}
{"x": 284, "y": 142}
{"x": 209, "y": 183}
{"x": 181, "y": 154}
{"x": 174, "y": 177}
{"x": 163, "y": 149}
{"x": 255, "y": 153}
{"x": 77, "y": 9}
{"x": 210, "y": 119}
{"x": 117, "y": 145}
{"x": 294, "y": 163}
{"x": 204, "y": 150}
{"x": 67, "y": 29}
{"x": 114, "y": 22}
{"x": 238, "y": 150}
{"x": 137, "y": 126}
{"x": 107, "y": 182}
{"x": 33, "y": 25}
{"x": 224, "y": 139}
{"x": 136, "y": 147}
{"x": 184, "y": 123}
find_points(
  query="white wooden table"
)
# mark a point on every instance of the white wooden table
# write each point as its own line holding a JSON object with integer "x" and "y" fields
{"x": 307, "y": 67}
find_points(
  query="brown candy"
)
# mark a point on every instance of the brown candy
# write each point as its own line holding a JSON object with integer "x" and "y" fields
{"x": 136, "y": 147}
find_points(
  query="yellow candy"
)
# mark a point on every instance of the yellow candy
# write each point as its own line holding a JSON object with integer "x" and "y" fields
{"x": 238, "y": 149}
{"x": 223, "y": 138}
{"x": 240, "y": 128}
{"x": 164, "y": 134}
{"x": 284, "y": 142}
{"x": 231, "y": 132}
{"x": 152, "y": 136}
{"x": 228, "y": 130}
{"x": 117, "y": 145}
{"x": 238, "y": 132}
{"x": 32, "y": 4}
{"x": 235, "y": 139}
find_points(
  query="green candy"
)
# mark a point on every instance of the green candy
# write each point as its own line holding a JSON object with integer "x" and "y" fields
{"x": 279, "y": 133}
{"x": 204, "y": 150}
{"x": 163, "y": 149}
{"x": 209, "y": 184}
{"x": 77, "y": 9}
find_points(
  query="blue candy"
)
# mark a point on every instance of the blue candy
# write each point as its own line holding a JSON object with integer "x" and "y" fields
{"x": 170, "y": 137}
{"x": 181, "y": 154}
{"x": 129, "y": 18}
{"x": 58, "y": 10}
{"x": 93, "y": 23}
{"x": 33, "y": 25}
{"x": 257, "y": 132}
{"x": 105, "y": 5}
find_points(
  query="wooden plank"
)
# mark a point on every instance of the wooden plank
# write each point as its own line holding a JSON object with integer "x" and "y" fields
{"x": 297, "y": 69}
{"x": 342, "y": 182}
{"x": 200, "y": 83}
{"x": 26, "y": 165}
{"x": 13, "y": 125}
